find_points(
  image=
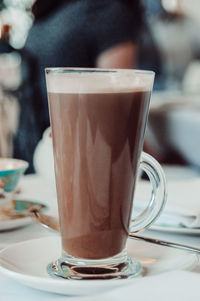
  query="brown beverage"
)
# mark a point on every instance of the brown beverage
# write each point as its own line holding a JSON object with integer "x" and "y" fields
{"x": 97, "y": 143}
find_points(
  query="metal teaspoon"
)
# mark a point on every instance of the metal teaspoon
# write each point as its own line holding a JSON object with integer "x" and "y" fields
{"x": 52, "y": 223}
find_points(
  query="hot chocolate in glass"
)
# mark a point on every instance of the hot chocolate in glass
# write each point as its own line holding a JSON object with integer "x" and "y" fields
{"x": 98, "y": 120}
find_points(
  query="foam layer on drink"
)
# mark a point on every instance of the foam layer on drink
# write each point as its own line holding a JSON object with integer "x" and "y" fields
{"x": 90, "y": 82}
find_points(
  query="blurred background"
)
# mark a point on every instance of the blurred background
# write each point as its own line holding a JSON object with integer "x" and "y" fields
{"x": 169, "y": 44}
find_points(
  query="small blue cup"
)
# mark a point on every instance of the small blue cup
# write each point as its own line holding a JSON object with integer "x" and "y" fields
{"x": 10, "y": 173}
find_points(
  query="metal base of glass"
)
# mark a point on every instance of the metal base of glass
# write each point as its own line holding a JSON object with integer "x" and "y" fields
{"x": 69, "y": 267}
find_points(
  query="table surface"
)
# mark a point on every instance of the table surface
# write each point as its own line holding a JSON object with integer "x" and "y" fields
{"x": 36, "y": 188}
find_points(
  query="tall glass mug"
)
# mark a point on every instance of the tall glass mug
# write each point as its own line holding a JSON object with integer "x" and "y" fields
{"x": 98, "y": 120}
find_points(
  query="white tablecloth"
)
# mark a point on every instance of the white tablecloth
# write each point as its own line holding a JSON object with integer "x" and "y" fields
{"x": 182, "y": 284}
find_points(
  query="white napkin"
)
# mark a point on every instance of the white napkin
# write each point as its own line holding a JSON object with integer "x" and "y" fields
{"x": 183, "y": 203}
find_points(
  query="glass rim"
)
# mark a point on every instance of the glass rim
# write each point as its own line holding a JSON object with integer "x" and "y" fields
{"x": 54, "y": 70}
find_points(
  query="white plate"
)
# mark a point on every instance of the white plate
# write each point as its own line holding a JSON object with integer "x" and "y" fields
{"x": 15, "y": 223}
{"x": 26, "y": 262}
{"x": 178, "y": 230}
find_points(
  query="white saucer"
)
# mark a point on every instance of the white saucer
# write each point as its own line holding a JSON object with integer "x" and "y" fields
{"x": 26, "y": 262}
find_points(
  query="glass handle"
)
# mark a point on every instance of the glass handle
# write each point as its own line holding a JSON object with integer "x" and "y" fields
{"x": 158, "y": 196}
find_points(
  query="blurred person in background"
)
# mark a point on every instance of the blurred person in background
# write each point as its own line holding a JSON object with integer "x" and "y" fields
{"x": 73, "y": 33}
{"x": 9, "y": 82}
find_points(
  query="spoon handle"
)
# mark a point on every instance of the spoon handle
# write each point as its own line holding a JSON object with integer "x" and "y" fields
{"x": 47, "y": 221}
{"x": 165, "y": 243}
{"x": 52, "y": 223}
